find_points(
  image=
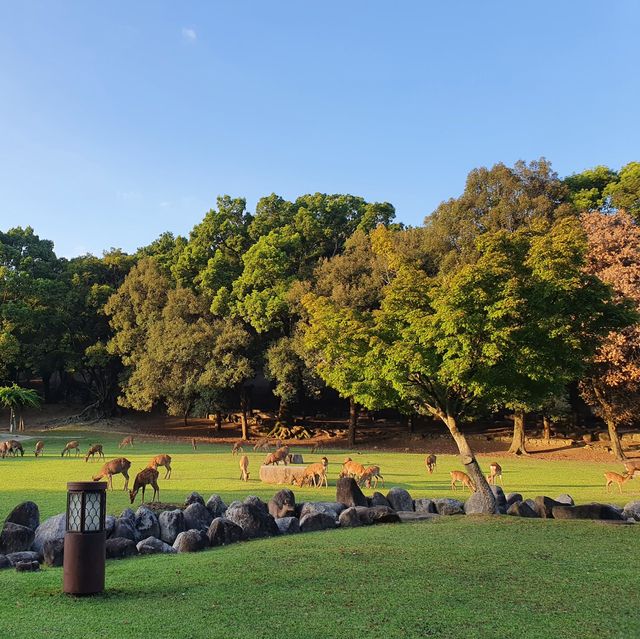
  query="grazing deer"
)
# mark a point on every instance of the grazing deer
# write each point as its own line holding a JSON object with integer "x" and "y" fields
{"x": 69, "y": 446}
{"x": 244, "y": 468}
{"x": 142, "y": 480}
{"x": 237, "y": 447}
{"x": 96, "y": 449}
{"x": 632, "y": 466}
{"x": 116, "y": 466}
{"x": 194, "y": 443}
{"x": 371, "y": 473}
{"x": 430, "y": 463}
{"x": 127, "y": 441}
{"x": 463, "y": 478}
{"x": 262, "y": 444}
{"x": 14, "y": 447}
{"x": 316, "y": 447}
{"x": 615, "y": 478}
{"x": 495, "y": 471}
{"x": 161, "y": 460}
{"x": 351, "y": 469}
{"x": 39, "y": 448}
{"x": 316, "y": 473}
{"x": 279, "y": 456}
{"x": 4, "y": 449}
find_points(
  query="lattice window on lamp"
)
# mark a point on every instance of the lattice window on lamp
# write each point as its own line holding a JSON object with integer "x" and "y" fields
{"x": 75, "y": 511}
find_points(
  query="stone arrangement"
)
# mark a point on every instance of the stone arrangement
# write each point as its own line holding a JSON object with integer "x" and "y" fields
{"x": 25, "y": 543}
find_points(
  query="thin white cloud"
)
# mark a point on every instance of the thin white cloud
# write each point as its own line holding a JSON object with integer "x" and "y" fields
{"x": 189, "y": 35}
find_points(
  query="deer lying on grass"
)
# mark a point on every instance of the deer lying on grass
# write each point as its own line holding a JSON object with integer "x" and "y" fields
{"x": 142, "y": 480}
{"x": 615, "y": 478}
{"x": 237, "y": 447}
{"x": 371, "y": 473}
{"x": 632, "y": 466}
{"x": 127, "y": 441}
{"x": 279, "y": 456}
{"x": 495, "y": 471}
{"x": 14, "y": 447}
{"x": 351, "y": 469}
{"x": 161, "y": 460}
{"x": 244, "y": 468}
{"x": 463, "y": 478}
{"x": 96, "y": 449}
{"x": 69, "y": 446}
{"x": 314, "y": 473}
{"x": 39, "y": 448}
{"x": 116, "y": 466}
{"x": 430, "y": 463}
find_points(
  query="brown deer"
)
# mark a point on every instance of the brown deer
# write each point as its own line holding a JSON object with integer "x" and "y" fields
{"x": 116, "y": 466}
{"x": 279, "y": 456}
{"x": 96, "y": 449}
{"x": 244, "y": 468}
{"x": 4, "y": 449}
{"x": 237, "y": 446}
{"x": 194, "y": 443}
{"x": 69, "y": 446}
{"x": 351, "y": 469}
{"x": 632, "y": 466}
{"x": 142, "y": 480}
{"x": 316, "y": 447}
{"x": 463, "y": 478}
{"x": 430, "y": 462}
{"x": 316, "y": 473}
{"x": 39, "y": 448}
{"x": 495, "y": 471}
{"x": 14, "y": 447}
{"x": 615, "y": 478}
{"x": 161, "y": 460}
{"x": 127, "y": 441}
{"x": 262, "y": 444}
{"x": 371, "y": 473}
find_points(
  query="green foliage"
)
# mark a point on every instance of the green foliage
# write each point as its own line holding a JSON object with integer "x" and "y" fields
{"x": 625, "y": 192}
{"x": 15, "y": 397}
{"x": 589, "y": 188}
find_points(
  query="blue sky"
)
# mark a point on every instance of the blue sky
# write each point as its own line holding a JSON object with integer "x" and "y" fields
{"x": 120, "y": 120}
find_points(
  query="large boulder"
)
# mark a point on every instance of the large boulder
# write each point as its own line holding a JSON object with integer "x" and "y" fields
{"x": 146, "y": 523}
{"x": 545, "y": 505}
{"x": 448, "y": 506}
{"x": 296, "y": 458}
{"x": 282, "y": 504}
{"x": 109, "y": 524}
{"x": 587, "y": 511}
{"x": 632, "y": 510}
{"x": 15, "y": 538}
{"x": 53, "y": 552}
{"x": 171, "y": 525}
{"x": 194, "y": 498}
{"x": 410, "y": 516}
{"x": 191, "y": 541}
{"x": 288, "y": 525}
{"x": 253, "y": 520}
{"x": 52, "y": 528}
{"x": 512, "y": 498}
{"x": 565, "y": 499}
{"x": 125, "y": 526}
{"x": 153, "y": 546}
{"x": 257, "y": 502}
{"x": 120, "y": 547}
{"x": 348, "y": 493}
{"x": 197, "y": 516}
{"x": 501, "y": 500}
{"x": 223, "y": 531}
{"x": 522, "y": 509}
{"x": 476, "y": 505}
{"x": 349, "y": 518}
{"x": 4, "y": 562}
{"x": 400, "y": 499}
{"x": 216, "y": 506}
{"x": 26, "y": 514}
{"x": 317, "y": 521}
{"x": 382, "y": 515}
{"x": 326, "y": 507}
{"x": 27, "y": 566}
{"x": 24, "y": 555}
{"x": 378, "y": 499}
{"x": 424, "y": 505}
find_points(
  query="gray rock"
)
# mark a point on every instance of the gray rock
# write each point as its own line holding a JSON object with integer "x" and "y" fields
{"x": 382, "y": 515}
{"x": 253, "y": 520}
{"x": 128, "y": 514}
{"x": 522, "y": 509}
{"x": 223, "y": 531}
{"x": 632, "y": 510}
{"x": 4, "y": 562}
{"x": 565, "y": 499}
{"x": 448, "y": 506}
{"x": 282, "y": 504}
{"x": 52, "y": 528}
{"x": 348, "y": 493}
{"x": 378, "y": 499}
{"x": 26, "y": 514}
{"x": 197, "y": 516}
{"x": 153, "y": 546}
{"x": 257, "y": 502}
{"x": 410, "y": 516}
{"x": 326, "y": 507}
{"x": 587, "y": 511}
{"x": 27, "y": 566}
{"x": 349, "y": 518}
{"x": 216, "y": 506}
{"x": 125, "y": 527}
{"x": 120, "y": 547}
{"x": 512, "y": 498}
{"x": 365, "y": 514}
{"x": 400, "y": 499}
{"x": 296, "y": 458}
{"x": 545, "y": 505}
{"x": 146, "y": 523}
{"x": 171, "y": 525}
{"x": 109, "y": 524}
{"x": 288, "y": 525}
{"x": 424, "y": 505}
{"x": 317, "y": 521}
{"x": 25, "y": 555}
{"x": 191, "y": 541}
{"x": 532, "y": 504}
{"x": 501, "y": 500}
{"x": 476, "y": 505}
{"x": 15, "y": 538}
{"x": 53, "y": 552}
{"x": 194, "y": 498}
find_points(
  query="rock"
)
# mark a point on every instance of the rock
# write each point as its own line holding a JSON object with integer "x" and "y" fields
{"x": 448, "y": 506}
{"x": 544, "y": 506}
{"x": 317, "y": 521}
{"x": 197, "y": 516}
{"x": 194, "y": 498}
{"x": 223, "y": 531}
{"x": 632, "y": 510}
{"x": 522, "y": 509}
{"x": 52, "y": 528}
{"x": 501, "y": 500}
{"x": 15, "y": 538}
{"x": 109, "y": 524}
{"x": 512, "y": 498}
{"x": 171, "y": 525}
{"x": 27, "y": 566}
{"x": 400, "y": 499}
{"x": 378, "y": 499}
{"x": 53, "y": 552}
{"x": 216, "y": 506}
{"x": 349, "y": 518}
{"x": 282, "y": 504}
{"x": 280, "y": 474}
{"x": 365, "y": 516}
{"x": 26, "y": 514}
{"x": 125, "y": 527}
{"x": 288, "y": 525}
{"x": 382, "y": 515}
{"x": 424, "y": 505}
{"x": 410, "y": 516}
{"x": 146, "y": 523}
{"x": 120, "y": 547}
{"x": 348, "y": 493}
{"x": 191, "y": 541}
{"x": 327, "y": 507}
{"x": 25, "y": 555}
{"x": 476, "y": 505}
{"x": 532, "y": 504}
{"x": 253, "y": 520}
{"x": 257, "y": 502}
{"x": 297, "y": 459}
{"x": 4, "y": 562}
{"x": 586, "y": 511}
{"x": 128, "y": 513}
{"x": 565, "y": 499}
{"x": 152, "y": 546}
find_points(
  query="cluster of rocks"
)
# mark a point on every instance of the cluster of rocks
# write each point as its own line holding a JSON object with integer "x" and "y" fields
{"x": 25, "y": 542}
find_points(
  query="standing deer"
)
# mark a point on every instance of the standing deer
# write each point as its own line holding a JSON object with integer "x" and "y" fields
{"x": 430, "y": 463}
{"x": 279, "y": 456}
{"x": 244, "y": 468}
{"x": 14, "y": 447}
{"x": 262, "y": 444}
{"x": 237, "y": 446}
{"x": 4, "y": 449}
{"x": 632, "y": 466}
{"x": 39, "y": 448}
{"x": 194, "y": 443}
{"x": 142, "y": 480}
{"x": 371, "y": 473}
{"x": 127, "y": 441}
{"x": 316, "y": 473}
{"x": 352, "y": 469}
{"x": 69, "y": 446}
{"x": 96, "y": 449}
{"x": 615, "y": 478}
{"x": 161, "y": 460}
{"x": 116, "y": 466}
{"x": 495, "y": 471}
{"x": 463, "y": 478}
{"x": 316, "y": 447}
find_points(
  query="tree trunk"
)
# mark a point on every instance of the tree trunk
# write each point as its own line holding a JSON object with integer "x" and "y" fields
{"x": 283, "y": 412}
{"x": 546, "y": 428}
{"x": 411, "y": 424}
{"x": 616, "y": 445}
{"x": 46, "y": 387}
{"x": 186, "y": 414}
{"x": 518, "y": 444}
{"x": 218, "y": 420}
{"x": 12, "y": 421}
{"x": 353, "y": 421}
{"x": 244, "y": 410}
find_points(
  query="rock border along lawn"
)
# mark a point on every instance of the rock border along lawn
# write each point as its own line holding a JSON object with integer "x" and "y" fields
{"x": 194, "y": 526}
